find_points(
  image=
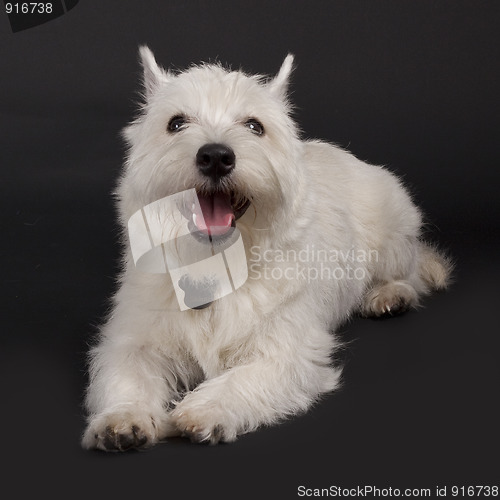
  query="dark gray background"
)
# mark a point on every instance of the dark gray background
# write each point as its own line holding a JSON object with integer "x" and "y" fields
{"x": 409, "y": 84}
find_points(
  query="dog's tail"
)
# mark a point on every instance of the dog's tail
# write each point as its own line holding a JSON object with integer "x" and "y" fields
{"x": 435, "y": 268}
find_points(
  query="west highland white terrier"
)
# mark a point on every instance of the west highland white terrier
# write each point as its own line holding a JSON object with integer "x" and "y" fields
{"x": 323, "y": 236}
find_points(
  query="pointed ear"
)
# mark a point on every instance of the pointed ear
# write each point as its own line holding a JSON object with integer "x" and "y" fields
{"x": 153, "y": 75}
{"x": 279, "y": 84}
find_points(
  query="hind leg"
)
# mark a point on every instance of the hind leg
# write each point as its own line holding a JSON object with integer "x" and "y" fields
{"x": 389, "y": 298}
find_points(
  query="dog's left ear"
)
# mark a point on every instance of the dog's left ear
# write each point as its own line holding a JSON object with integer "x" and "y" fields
{"x": 279, "y": 84}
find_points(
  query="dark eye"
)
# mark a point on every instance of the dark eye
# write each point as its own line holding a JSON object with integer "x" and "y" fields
{"x": 255, "y": 126}
{"x": 176, "y": 123}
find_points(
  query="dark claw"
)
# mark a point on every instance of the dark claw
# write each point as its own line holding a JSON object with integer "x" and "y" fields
{"x": 140, "y": 439}
{"x": 396, "y": 309}
{"x": 399, "y": 308}
{"x": 217, "y": 434}
{"x": 110, "y": 439}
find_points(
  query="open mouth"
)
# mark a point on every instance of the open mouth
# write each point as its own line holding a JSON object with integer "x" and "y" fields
{"x": 219, "y": 213}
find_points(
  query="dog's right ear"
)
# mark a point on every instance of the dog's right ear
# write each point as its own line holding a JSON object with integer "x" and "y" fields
{"x": 153, "y": 76}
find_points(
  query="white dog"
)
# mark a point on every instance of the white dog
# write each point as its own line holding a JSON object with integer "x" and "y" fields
{"x": 326, "y": 236}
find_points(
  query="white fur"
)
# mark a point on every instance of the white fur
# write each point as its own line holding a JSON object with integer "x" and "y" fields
{"x": 263, "y": 352}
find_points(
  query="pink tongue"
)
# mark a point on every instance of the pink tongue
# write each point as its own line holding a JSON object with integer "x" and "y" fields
{"x": 217, "y": 212}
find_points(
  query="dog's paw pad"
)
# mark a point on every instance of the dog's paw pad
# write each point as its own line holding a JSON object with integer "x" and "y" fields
{"x": 398, "y": 305}
{"x": 201, "y": 425}
{"x": 124, "y": 440}
{"x": 389, "y": 300}
{"x": 120, "y": 432}
{"x": 203, "y": 436}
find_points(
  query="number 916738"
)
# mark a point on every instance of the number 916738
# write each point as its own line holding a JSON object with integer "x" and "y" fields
{"x": 474, "y": 491}
{"x": 28, "y": 8}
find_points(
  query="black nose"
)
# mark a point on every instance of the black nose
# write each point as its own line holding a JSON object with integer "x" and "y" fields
{"x": 215, "y": 160}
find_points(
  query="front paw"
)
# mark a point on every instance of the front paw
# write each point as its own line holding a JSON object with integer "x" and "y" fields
{"x": 121, "y": 431}
{"x": 202, "y": 424}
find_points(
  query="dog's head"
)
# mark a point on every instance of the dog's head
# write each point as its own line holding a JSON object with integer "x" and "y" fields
{"x": 224, "y": 133}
